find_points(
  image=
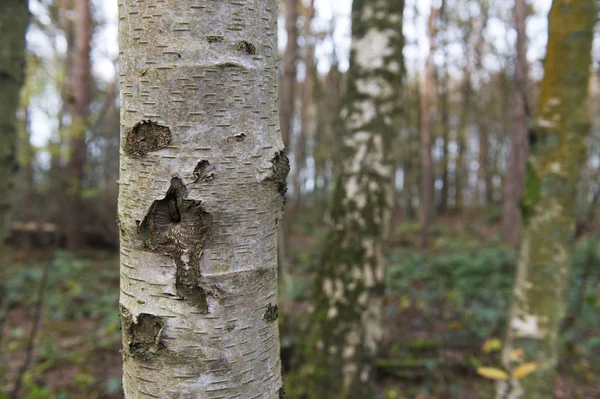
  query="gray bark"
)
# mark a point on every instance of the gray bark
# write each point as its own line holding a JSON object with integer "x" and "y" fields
{"x": 201, "y": 184}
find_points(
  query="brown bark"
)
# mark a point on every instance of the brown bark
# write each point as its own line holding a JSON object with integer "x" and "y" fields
{"x": 308, "y": 113}
{"x": 79, "y": 113}
{"x": 445, "y": 115}
{"x": 289, "y": 71}
{"x": 426, "y": 158}
{"x": 514, "y": 183}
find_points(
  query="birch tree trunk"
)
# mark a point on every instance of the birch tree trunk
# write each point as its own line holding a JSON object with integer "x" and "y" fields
{"x": 14, "y": 18}
{"x": 345, "y": 327}
{"x": 201, "y": 185}
{"x": 514, "y": 183}
{"x": 548, "y": 205}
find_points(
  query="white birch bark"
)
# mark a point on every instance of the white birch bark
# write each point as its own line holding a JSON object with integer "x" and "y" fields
{"x": 202, "y": 177}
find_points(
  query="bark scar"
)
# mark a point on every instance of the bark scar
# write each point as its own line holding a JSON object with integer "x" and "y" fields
{"x": 146, "y": 136}
{"x": 179, "y": 227}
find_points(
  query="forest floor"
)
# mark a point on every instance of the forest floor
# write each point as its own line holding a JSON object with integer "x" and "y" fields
{"x": 445, "y": 311}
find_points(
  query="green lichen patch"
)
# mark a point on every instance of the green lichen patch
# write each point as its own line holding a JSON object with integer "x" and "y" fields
{"x": 146, "y": 136}
{"x": 272, "y": 313}
{"x": 179, "y": 227}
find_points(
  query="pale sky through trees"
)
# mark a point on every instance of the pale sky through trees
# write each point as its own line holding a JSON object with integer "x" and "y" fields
{"x": 105, "y": 49}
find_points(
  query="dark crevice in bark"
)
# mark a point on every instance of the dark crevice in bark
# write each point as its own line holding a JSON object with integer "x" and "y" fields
{"x": 247, "y": 47}
{"x": 179, "y": 227}
{"x": 272, "y": 313}
{"x": 144, "y": 336}
{"x": 201, "y": 171}
{"x": 281, "y": 168}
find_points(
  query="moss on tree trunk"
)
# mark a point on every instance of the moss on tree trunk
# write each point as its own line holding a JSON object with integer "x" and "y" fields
{"x": 344, "y": 329}
{"x": 14, "y": 17}
{"x": 557, "y": 152}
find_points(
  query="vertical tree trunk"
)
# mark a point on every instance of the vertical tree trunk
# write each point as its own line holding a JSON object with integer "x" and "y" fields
{"x": 290, "y": 56}
{"x": 558, "y": 151}
{"x": 308, "y": 113}
{"x": 460, "y": 170}
{"x": 426, "y": 203}
{"x": 14, "y": 17}
{"x": 201, "y": 185}
{"x": 445, "y": 115}
{"x": 484, "y": 175}
{"x": 345, "y": 327}
{"x": 514, "y": 183}
{"x": 82, "y": 76}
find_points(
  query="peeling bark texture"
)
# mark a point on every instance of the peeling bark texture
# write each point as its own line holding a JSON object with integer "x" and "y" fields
{"x": 79, "y": 110}
{"x": 345, "y": 327}
{"x": 201, "y": 183}
{"x": 514, "y": 183}
{"x": 14, "y": 17}
{"x": 561, "y": 129}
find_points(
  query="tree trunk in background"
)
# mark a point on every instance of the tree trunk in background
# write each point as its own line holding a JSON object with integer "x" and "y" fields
{"x": 445, "y": 115}
{"x": 82, "y": 76}
{"x": 460, "y": 172}
{"x": 14, "y": 17}
{"x": 426, "y": 203}
{"x": 201, "y": 193}
{"x": 290, "y": 56}
{"x": 548, "y": 205}
{"x": 345, "y": 327}
{"x": 484, "y": 172}
{"x": 514, "y": 182}
{"x": 308, "y": 114}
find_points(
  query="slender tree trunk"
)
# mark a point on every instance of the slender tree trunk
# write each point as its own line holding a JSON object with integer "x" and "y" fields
{"x": 14, "y": 17}
{"x": 290, "y": 56}
{"x": 82, "y": 76}
{"x": 557, "y": 154}
{"x": 445, "y": 115}
{"x": 308, "y": 113}
{"x": 201, "y": 192}
{"x": 426, "y": 205}
{"x": 514, "y": 183}
{"x": 345, "y": 327}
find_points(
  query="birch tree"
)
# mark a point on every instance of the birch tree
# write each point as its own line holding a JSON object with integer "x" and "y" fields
{"x": 548, "y": 206}
{"x": 345, "y": 325}
{"x": 201, "y": 185}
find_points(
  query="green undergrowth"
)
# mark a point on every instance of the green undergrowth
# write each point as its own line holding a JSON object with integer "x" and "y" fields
{"x": 76, "y": 351}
